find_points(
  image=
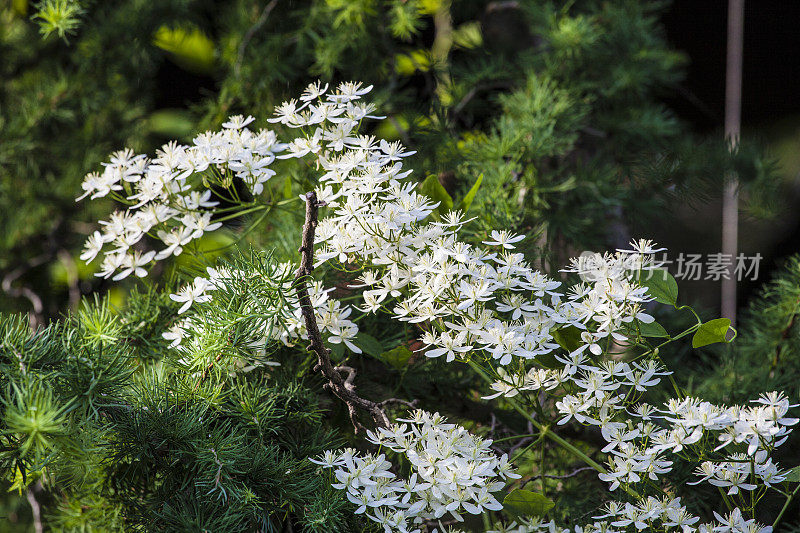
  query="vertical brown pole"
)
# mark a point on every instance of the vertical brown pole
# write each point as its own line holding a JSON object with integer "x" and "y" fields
{"x": 733, "y": 109}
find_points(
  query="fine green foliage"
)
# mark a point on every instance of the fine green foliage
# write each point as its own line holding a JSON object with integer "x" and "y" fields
{"x": 92, "y": 406}
{"x": 61, "y": 17}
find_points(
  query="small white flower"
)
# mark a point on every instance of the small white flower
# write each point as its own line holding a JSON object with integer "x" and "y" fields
{"x": 504, "y": 239}
{"x": 237, "y": 122}
{"x": 194, "y": 292}
{"x": 92, "y": 247}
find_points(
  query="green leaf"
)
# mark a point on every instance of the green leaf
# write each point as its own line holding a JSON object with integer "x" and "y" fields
{"x": 369, "y": 344}
{"x": 548, "y": 360}
{"x": 434, "y": 190}
{"x": 568, "y": 338}
{"x": 711, "y": 332}
{"x": 660, "y": 285}
{"x": 653, "y": 329}
{"x": 287, "y": 188}
{"x": 465, "y": 202}
{"x": 397, "y": 357}
{"x": 189, "y": 47}
{"x": 793, "y": 476}
{"x": 521, "y": 502}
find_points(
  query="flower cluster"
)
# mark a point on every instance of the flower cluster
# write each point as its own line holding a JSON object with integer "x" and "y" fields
{"x": 486, "y": 306}
{"x": 467, "y": 298}
{"x": 270, "y": 295}
{"x": 172, "y": 195}
{"x": 452, "y": 472}
{"x": 648, "y": 514}
{"x": 636, "y": 449}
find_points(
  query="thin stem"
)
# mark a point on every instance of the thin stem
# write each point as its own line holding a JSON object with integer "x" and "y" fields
{"x": 785, "y": 507}
{"x": 520, "y": 453}
{"x": 541, "y": 469}
{"x": 512, "y": 437}
{"x": 546, "y": 430}
{"x": 240, "y": 237}
{"x": 246, "y": 211}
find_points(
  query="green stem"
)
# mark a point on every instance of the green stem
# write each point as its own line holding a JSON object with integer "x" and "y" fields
{"x": 515, "y": 437}
{"x": 520, "y": 453}
{"x": 784, "y": 508}
{"x": 541, "y": 470}
{"x": 244, "y": 212}
{"x": 541, "y": 427}
{"x": 240, "y": 237}
{"x": 725, "y": 498}
{"x": 549, "y": 434}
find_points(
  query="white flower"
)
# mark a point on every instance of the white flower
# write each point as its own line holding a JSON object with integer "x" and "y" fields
{"x": 450, "y": 345}
{"x": 348, "y": 91}
{"x": 200, "y": 223}
{"x": 642, "y": 246}
{"x": 189, "y": 294}
{"x": 237, "y": 122}
{"x": 92, "y": 247}
{"x": 313, "y": 91}
{"x": 504, "y": 239}
{"x": 111, "y": 262}
{"x": 175, "y": 240}
{"x": 133, "y": 263}
{"x": 451, "y": 471}
{"x": 175, "y": 334}
{"x": 287, "y": 113}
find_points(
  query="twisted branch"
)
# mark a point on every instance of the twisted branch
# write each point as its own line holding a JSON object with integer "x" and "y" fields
{"x": 343, "y": 388}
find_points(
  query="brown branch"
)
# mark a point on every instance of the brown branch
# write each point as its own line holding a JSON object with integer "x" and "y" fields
{"x": 412, "y": 404}
{"x": 343, "y": 388}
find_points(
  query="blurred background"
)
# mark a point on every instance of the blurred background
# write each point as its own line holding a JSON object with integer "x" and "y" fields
{"x": 584, "y": 124}
{"x": 770, "y": 114}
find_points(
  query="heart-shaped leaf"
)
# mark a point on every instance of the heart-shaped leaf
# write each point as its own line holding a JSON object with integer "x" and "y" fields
{"x": 660, "y": 285}
{"x": 397, "y": 357}
{"x": 521, "y": 502}
{"x": 711, "y": 332}
{"x": 653, "y": 329}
